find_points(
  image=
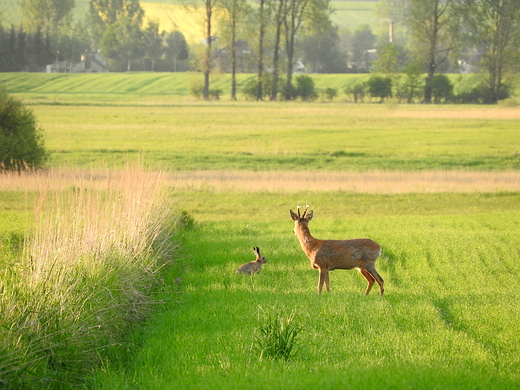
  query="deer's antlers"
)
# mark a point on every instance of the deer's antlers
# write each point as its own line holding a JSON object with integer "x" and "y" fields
{"x": 304, "y": 211}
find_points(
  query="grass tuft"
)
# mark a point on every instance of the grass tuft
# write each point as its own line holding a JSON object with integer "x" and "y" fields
{"x": 277, "y": 336}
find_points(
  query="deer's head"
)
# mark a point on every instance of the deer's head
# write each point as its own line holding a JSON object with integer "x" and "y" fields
{"x": 301, "y": 219}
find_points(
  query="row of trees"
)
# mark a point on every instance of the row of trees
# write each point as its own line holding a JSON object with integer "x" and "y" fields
{"x": 21, "y": 51}
{"x": 428, "y": 36}
{"x": 438, "y": 34}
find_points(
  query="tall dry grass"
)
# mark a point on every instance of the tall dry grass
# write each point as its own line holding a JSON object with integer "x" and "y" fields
{"x": 81, "y": 277}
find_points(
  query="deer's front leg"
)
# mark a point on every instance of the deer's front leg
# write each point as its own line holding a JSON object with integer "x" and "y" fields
{"x": 324, "y": 278}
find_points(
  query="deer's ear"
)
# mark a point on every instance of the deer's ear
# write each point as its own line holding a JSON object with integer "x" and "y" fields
{"x": 309, "y": 215}
{"x": 294, "y": 216}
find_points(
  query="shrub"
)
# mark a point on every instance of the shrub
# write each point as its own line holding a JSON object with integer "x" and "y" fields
{"x": 21, "y": 139}
{"x": 357, "y": 91}
{"x": 215, "y": 93}
{"x": 305, "y": 88}
{"x": 442, "y": 88}
{"x": 380, "y": 86}
{"x": 481, "y": 94}
{"x": 197, "y": 88}
{"x": 251, "y": 88}
{"x": 330, "y": 93}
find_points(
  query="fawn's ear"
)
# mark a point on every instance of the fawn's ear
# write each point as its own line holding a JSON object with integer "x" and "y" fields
{"x": 294, "y": 216}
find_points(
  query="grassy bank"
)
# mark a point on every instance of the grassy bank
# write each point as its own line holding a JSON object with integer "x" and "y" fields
{"x": 449, "y": 267}
{"x": 78, "y": 277}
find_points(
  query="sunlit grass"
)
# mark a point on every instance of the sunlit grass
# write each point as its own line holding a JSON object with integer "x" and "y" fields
{"x": 449, "y": 283}
{"x": 79, "y": 280}
{"x": 291, "y": 136}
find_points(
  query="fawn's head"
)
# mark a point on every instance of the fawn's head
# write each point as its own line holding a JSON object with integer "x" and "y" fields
{"x": 259, "y": 257}
{"x": 301, "y": 219}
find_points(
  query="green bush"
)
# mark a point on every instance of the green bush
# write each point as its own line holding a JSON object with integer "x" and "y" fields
{"x": 305, "y": 88}
{"x": 357, "y": 91}
{"x": 250, "y": 89}
{"x": 442, "y": 88}
{"x": 21, "y": 139}
{"x": 330, "y": 93}
{"x": 380, "y": 86}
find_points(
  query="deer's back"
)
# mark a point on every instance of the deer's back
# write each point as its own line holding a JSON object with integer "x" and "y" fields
{"x": 347, "y": 254}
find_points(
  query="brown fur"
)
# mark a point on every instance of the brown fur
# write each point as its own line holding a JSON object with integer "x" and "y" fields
{"x": 253, "y": 267}
{"x": 328, "y": 255}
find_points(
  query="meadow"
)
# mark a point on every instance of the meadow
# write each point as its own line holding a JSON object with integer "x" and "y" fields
{"x": 438, "y": 187}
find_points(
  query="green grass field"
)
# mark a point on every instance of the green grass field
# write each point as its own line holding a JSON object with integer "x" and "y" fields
{"x": 450, "y": 259}
{"x": 107, "y": 119}
{"x": 445, "y": 321}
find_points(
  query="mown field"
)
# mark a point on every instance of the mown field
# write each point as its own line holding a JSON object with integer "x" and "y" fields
{"x": 450, "y": 243}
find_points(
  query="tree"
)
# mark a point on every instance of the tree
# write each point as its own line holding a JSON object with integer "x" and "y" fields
{"x": 362, "y": 41}
{"x": 279, "y": 18}
{"x": 122, "y": 40}
{"x": 102, "y": 15}
{"x": 322, "y": 53}
{"x": 21, "y": 139}
{"x": 293, "y": 21}
{"x": 153, "y": 42}
{"x": 412, "y": 82}
{"x": 433, "y": 27}
{"x": 494, "y": 30}
{"x": 235, "y": 11}
{"x": 262, "y": 20}
{"x": 176, "y": 48}
{"x": 388, "y": 61}
{"x": 49, "y": 16}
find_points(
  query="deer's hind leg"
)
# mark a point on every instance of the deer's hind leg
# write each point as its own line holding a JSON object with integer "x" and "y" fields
{"x": 372, "y": 270}
{"x": 370, "y": 279}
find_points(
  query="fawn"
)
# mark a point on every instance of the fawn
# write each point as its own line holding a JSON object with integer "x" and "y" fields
{"x": 253, "y": 267}
{"x": 328, "y": 255}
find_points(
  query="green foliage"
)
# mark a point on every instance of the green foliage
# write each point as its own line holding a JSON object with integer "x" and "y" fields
{"x": 357, "y": 91}
{"x": 390, "y": 61}
{"x": 380, "y": 86}
{"x": 305, "y": 88}
{"x": 442, "y": 88}
{"x": 251, "y": 86}
{"x": 330, "y": 93}
{"x": 411, "y": 88}
{"x": 277, "y": 336}
{"x": 21, "y": 139}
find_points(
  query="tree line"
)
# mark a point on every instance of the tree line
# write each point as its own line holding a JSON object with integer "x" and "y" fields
{"x": 276, "y": 38}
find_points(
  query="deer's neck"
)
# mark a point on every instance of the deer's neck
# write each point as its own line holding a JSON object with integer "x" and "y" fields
{"x": 307, "y": 241}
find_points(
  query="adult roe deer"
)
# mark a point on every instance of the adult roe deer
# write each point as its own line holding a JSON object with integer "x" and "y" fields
{"x": 328, "y": 255}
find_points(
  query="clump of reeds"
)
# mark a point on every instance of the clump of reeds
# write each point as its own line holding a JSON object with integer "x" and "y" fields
{"x": 81, "y": 277}
{"x": 277, "y": 336}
